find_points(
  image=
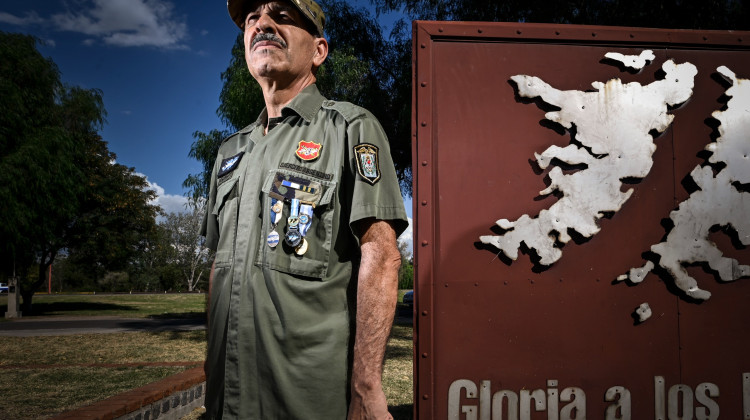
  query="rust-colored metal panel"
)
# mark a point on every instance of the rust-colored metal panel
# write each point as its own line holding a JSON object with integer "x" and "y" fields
{"x": 566, "y": 329}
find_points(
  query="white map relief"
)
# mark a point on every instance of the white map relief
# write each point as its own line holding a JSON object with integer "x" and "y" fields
{"x": 613, "y": 125}
{"x": 717, "y": 203}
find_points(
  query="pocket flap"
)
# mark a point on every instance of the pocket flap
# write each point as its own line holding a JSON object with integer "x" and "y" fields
{"x": 286, "y": 186}
{"x": 224, "y": 192}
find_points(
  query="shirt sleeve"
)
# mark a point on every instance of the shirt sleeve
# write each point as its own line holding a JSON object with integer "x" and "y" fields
{"x": 210, "y": 226}
{"x": 376, "y": 193}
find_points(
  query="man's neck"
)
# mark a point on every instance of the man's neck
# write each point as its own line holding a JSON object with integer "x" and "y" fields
{"x": 277, "y": 95}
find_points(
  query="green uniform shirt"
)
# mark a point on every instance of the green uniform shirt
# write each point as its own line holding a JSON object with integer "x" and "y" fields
{"x": 281, "y": 324}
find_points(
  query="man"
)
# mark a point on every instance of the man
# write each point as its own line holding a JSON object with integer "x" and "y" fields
{"x": 303, "y": 213}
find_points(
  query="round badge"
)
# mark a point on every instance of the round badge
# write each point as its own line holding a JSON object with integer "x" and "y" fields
{"x": 302, "y": 248}
{"x": 273, "y": 239}
{"x": 277, "y": 207}
{"x": 293, "y": 238}
{"x": 292, "y": 221}
{"x": 304, "y": 219}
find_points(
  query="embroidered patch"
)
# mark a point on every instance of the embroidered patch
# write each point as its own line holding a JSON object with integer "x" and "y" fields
{"x": 308, "y": 150}
{"x": 229, "y": 164}
{"x": 367, "y": 162}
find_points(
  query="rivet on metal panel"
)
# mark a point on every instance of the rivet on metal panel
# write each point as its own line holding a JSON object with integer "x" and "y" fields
{"x": 424, "y": 202}
{"x": 424, "y": 355}
{"x": 593, "y": 34}
{"x": 705, "y": 38}
{"x": 423, "y": 46}
{"x": 505, "y": 282}
{"x": 423, "y": 84}
{"x": 518, "y": 32}
{"x": 532, "y": 281}
{"x": 425, "y": 397}
{"x": 557, "y": 32}
{"x": 632, "y": 35}
{"x": 476, "y": 284}
{"x": 425, "y": 243}
{"x": 424, "y": 313}
{"x": 424, "y": 163}
{"x": 562, "y": 279}
{"x": 446, "y": 284}
{"x": 597, "y": 280}
{"x": 739, "y": 39}
{"x": 479, "y": 30}
{"x": 424, "y": 123}
{"x": 440, "y": 29}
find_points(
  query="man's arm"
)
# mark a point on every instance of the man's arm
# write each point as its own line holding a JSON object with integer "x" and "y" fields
{"x": 377, "y": 292}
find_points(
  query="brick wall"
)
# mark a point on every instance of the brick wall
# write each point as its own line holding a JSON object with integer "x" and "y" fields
{"x": 169, "y": 399}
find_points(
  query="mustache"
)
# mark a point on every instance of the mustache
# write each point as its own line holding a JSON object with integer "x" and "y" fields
{"x": 265, "y": 36}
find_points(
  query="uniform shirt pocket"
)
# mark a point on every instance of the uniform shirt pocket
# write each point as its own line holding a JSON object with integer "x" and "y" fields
{"x": 225, "y": 210}
{"x": 310, "y": 190}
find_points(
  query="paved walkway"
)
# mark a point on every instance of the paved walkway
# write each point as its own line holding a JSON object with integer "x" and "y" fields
{"x": 26, "y": 327}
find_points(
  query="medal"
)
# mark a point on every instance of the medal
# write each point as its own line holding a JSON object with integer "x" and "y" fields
{"x": 302, "y": 248}
{"x": 293, "y": 238}
{"x": 273, "y": 239}
{"x": 305, "y": 219}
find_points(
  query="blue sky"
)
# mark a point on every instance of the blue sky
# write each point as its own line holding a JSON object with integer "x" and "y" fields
{"x": 158, "y": 64}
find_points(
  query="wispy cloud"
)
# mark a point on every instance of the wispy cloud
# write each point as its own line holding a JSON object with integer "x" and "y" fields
{"x": 123, "y": 23}
{"x": 30, "y": 18}
{"x": 127, "y": 23}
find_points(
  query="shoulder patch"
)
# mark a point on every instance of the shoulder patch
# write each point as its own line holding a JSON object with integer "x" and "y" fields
{"x": 229, "y": 164}
{"x": 368, "y": 165}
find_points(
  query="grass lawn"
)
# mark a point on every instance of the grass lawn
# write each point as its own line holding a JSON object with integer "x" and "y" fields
{"x": 175, "y": 305}
{"x": 42, "y": 376}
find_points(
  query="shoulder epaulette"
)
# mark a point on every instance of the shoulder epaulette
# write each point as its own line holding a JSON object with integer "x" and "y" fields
{"x": 244, "y": 130}
{"x": 348, "y": 110}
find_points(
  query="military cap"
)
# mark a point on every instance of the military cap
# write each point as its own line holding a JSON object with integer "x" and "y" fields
{"x": 309, "y": 9}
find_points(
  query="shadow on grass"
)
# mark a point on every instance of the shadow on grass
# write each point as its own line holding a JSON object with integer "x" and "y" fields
{"x": 48, "y": 308}
{"x": 180, "y": 315}
{"x": 402, "y": 412}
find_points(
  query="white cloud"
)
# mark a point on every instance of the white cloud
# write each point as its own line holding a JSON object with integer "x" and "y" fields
{"x": 28, "y": 19}
{"x": 407, "y": 237}
{"x": 127, "y": 23}
{"x": 170, "y": 203}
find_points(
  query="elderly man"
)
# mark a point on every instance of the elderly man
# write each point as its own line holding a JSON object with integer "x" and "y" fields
{"x": 303, "y": 213}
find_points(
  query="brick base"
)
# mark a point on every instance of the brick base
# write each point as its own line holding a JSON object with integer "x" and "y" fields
{"x": 169, "y": 399}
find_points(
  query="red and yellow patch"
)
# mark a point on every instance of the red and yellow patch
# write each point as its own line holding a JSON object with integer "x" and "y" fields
{"x": 308, "y": 150}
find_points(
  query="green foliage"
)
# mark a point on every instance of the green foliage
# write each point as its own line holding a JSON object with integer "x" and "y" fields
{"x": 59, "y": 183}
{"x": 406, "y": 271}
{"x": 204, "y": 149}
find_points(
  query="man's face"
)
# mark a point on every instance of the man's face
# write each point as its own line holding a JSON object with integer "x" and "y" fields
{"x": 277, "y": 45}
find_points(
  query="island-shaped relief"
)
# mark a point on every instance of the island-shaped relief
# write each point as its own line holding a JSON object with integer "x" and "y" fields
{"x": 613, "y": 141}
{"x": 721, "y": 201}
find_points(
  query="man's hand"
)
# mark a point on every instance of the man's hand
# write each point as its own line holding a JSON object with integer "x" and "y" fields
{"x": 377, "y": 291}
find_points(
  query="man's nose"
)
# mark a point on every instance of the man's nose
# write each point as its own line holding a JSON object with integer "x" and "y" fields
{"x": 265, "y": 24}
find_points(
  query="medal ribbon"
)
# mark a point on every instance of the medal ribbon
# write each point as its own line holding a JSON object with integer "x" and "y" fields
{"x": 307, "y": 210}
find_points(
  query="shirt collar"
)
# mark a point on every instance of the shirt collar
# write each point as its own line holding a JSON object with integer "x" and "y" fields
{"x": 306, "y": 104}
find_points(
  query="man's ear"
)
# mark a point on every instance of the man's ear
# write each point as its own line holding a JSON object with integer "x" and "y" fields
{"x": 321, "y": 51}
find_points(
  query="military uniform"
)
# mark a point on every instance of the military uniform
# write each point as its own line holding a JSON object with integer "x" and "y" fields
{"x": 281, "y": 321}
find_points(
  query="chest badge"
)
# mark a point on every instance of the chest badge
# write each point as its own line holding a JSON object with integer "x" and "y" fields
{"x": 308, "y": 150}
{"x": 229, "y": 164}
{"x": 367, "y": 162}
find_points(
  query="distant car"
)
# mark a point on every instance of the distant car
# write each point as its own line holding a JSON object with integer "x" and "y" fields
{"x": 3, "y": 288}
{"x": 409, "y": 298}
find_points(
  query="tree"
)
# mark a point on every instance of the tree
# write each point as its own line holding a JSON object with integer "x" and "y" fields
{"x": 59, "y": 184}
{"x": 189, "y": 252}
{"x": 406, "y": 271}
